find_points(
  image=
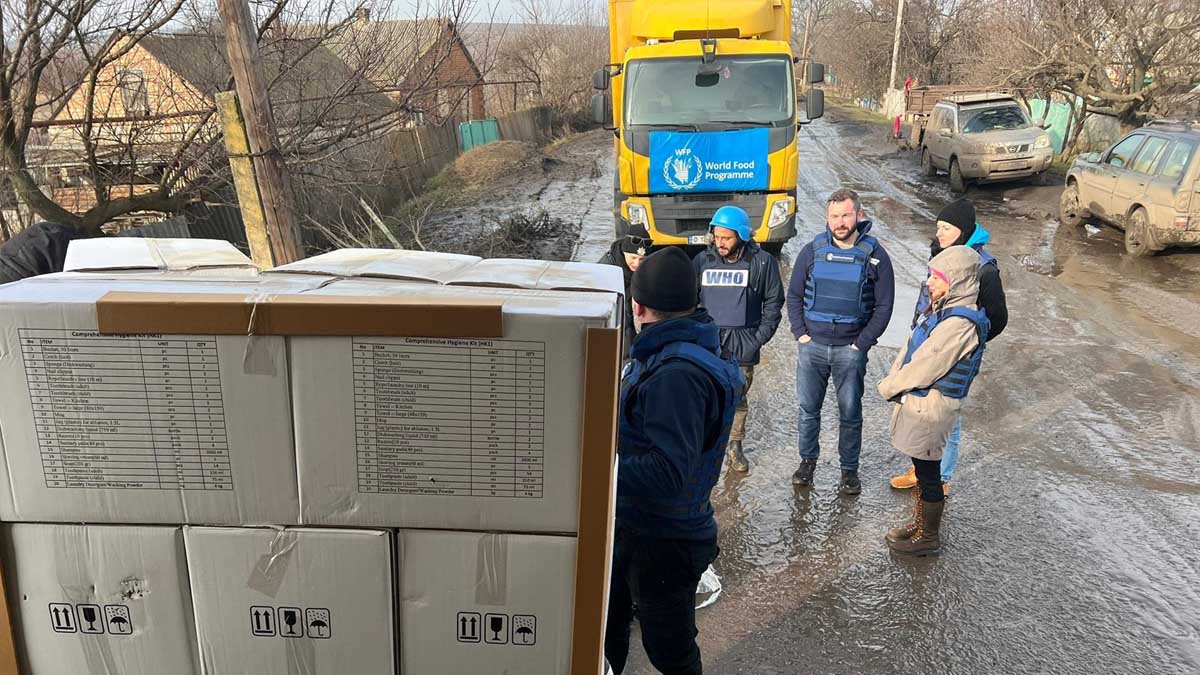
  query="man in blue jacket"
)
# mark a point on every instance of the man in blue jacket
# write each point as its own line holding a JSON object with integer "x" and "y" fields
{"x": 839, "y": 303}
{"x": 677, "y": 401}
{"x": 741, "y": 288}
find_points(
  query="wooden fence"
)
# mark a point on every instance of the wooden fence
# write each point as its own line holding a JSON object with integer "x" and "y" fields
{"x": 422, "y": 152}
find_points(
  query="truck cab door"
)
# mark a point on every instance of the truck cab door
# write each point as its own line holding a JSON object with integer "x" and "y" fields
{"x": 935, "y": 142}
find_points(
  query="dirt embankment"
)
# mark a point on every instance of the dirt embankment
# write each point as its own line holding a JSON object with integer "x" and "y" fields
{"x": 500, "y": 200}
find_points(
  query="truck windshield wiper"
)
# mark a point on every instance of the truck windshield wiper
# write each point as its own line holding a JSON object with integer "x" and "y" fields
{"x": 747, "y": 123}
{"x": 671, "y": 125}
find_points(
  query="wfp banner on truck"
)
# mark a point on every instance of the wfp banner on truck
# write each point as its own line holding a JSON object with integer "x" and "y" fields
{"x": 712, "y": 161}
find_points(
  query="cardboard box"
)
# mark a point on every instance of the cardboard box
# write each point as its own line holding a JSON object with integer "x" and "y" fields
{"x": 100, "y": 599}
{"x": 145, "y": 428}
{"x": 182, "y": 258}
{"x": 418, "y": 266}
{"x": 280, "y": 602}
{"x": 485, "y": 604}
{"x": 459, "y": 433}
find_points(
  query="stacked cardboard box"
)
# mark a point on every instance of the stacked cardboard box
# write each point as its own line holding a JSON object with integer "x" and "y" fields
{"x": 435, "y": 402}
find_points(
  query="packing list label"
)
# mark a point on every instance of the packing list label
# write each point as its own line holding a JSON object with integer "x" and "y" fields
{"x": 450, "y": 417}
{"x": 127, "y": 412}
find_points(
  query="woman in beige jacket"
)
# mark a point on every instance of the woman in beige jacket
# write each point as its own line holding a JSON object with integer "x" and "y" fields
{"x": 929, "y": 381}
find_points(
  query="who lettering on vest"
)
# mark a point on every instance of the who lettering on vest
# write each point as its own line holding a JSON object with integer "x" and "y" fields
{"x": 725, "y": 278}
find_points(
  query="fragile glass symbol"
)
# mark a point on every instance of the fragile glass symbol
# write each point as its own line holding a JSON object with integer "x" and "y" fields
{"x": 290, "y": 618}
{"x": 89, "y": 615}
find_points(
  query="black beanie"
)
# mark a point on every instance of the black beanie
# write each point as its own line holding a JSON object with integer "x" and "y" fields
{"x": 628, "y": 245}
{"x": 665, "y": 281}
{"x": 961, "y": 214}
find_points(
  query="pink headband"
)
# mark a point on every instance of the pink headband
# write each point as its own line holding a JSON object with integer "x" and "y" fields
{"x": 939, "y": 274}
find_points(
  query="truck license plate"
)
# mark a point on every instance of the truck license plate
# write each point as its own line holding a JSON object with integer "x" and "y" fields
{"x": 698, "y": 239}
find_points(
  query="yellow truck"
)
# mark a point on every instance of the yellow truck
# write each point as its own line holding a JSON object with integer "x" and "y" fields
{"x": 702, "y": 98}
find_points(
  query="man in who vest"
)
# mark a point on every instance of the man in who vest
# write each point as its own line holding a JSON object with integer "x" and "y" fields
{"x": 741, "y": 288}
{"x": 839, "y": 302}
{"x": 677, "y": 401}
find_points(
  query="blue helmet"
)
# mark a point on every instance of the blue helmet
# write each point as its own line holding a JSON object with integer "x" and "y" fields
{"x": 732, "y": 218}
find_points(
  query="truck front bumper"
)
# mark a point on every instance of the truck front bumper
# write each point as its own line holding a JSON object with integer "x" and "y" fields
{"x": 684, "y": 219}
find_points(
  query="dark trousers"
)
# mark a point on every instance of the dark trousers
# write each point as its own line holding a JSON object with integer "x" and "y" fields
{"x": 929, "y": 479}
{"x": 660, "y": 577}
{"x": 816, "y": 365}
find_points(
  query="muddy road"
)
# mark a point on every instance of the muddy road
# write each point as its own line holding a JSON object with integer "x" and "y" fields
{"x": 1071, "y": 543}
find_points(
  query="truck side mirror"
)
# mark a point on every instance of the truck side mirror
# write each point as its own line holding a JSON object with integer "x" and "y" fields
{"x": 815, "y": 104}
{"x": 816, "y": 73}
{"x": 600, "y": 79}
{"x": 602, "y": 112}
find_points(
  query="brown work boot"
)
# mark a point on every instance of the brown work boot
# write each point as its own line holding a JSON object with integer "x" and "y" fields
{"x": 906, "y": 480}
{"x": 906, "y": 531}
{"x": 926, "y": 540}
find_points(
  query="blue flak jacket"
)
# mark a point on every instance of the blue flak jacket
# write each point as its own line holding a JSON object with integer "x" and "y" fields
{"x": 842, "y": 296}
{"x": 744, "y": 298}
{"x": 957, "y": 382}
{"x": 677, "y": 402}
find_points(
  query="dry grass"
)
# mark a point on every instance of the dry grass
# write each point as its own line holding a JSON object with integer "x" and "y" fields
{"x": 486, "y": 164}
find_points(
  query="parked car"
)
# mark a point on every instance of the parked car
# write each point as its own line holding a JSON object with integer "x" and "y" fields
{"x": 1148, "y": 184}
{"x": 983, "y": 138}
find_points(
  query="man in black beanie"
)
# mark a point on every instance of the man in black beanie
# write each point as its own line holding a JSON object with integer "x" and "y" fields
{"x": 627, "y": 253}
{"x": 678, "y": 397}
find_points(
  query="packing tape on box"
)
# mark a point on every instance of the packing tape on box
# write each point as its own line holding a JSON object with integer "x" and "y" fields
{"x": 271, "y": 568}
{"x": 491, "y": 570}
{"x": 257, "y": 358}
{"x": 97, "y": 654}
{"x": 267, "y": 577}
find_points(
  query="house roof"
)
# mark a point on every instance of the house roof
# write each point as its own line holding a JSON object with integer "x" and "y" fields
{"x": 388, "y": 50}
{"x": 304, "y": 78}
{"x": 493, "y": 44}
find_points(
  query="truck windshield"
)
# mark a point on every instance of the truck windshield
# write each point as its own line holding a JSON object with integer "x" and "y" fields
{"x": 993, "y": 119}
{"x": 750, "y": 90}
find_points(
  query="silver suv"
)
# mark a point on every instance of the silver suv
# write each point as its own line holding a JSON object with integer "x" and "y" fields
{"x": 983, "y": 138}
{"x": 1147, "y": 184}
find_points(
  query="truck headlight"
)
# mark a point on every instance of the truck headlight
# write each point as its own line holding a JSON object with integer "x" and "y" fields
{"x": 780, "y": 211}
{"x": 1042, "y": 142}
{"x": 637, "y": 216}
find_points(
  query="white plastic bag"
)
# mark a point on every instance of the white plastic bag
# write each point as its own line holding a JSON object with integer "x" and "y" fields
{"x": 710, "y": 586}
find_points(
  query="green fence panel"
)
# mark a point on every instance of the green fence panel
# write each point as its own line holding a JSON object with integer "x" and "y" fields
{"x": 1056, "y": 120}
{"x": 478, "y": 132}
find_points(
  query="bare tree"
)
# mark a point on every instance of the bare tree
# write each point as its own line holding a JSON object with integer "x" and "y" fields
{"x": 555, "y": 49}
{"x": 97, "y": 99}
{"x": 89, "y": 35}
{"x": 1124, "y": 58}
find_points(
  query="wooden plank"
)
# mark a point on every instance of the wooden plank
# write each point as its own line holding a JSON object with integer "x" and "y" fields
{"x": 237, "y": 146}
{"x": 8, "y": 651}
{"x": 596, "y": 499}
{"x": 241, "y": 42}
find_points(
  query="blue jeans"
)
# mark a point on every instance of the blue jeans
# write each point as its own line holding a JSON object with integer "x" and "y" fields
{"x": 816, "y": 364}
{"x": 950, "y": 454}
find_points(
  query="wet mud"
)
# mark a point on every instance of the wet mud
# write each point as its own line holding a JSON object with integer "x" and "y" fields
{"x": 1071, "y": 542}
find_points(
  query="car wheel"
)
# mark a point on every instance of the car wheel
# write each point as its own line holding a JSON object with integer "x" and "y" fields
{"x": 1139, "y": 242}
{"x": 927, "y": 167}
{"x": 957, "y": 182}
{"x": 1070, "y": 211}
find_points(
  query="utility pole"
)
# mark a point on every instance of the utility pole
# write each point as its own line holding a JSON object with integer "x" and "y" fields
{"x": 241, "y": 42}
{"x": 896, "y": 45}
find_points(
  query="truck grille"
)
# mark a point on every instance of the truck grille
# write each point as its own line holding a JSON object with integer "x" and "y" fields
{"x": 685, "y": 215}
